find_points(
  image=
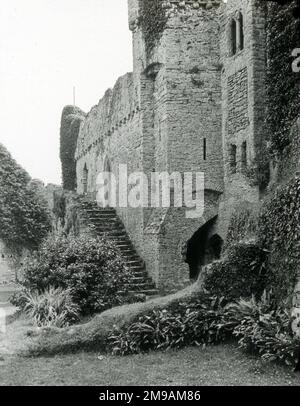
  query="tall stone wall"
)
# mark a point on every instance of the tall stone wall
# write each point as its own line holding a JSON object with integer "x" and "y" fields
{"x": 243, "y": 101}
{"x": 112, "y": 135}
{"x": 185, "y": 68}
{"x": 188, "y": 100}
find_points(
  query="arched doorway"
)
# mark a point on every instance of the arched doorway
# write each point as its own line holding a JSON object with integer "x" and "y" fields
{"x": 214, "y": 248}
{"x": 85, "y": 178}
{"x": 203, "y": 249}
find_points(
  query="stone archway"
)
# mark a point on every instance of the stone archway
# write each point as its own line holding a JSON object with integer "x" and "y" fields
{"x": 202, "y": 248}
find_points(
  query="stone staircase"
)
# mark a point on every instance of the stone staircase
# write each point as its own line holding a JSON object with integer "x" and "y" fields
{"x": 104, "y": 222}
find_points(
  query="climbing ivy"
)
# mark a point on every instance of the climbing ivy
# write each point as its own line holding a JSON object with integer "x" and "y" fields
{"x": 243, "y": 223}
{"x": 279, "y": 233}
{"x": 69, "y": 131}
{"x": 24, "y": 215}
{"x": 283, "y": 85}
{"x": 153, "y": 21}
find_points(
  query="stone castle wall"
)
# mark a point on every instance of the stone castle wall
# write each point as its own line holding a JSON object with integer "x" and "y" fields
{"x": 243, "y": 102}
{"x": 187, "y": 102}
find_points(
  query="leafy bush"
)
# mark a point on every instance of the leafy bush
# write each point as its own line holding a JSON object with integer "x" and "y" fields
{"x": 53, "y": 307}
{"x": 92, "y": 269}
{"x": 264, "y": 329}
{"x": 194, "y": 321}
{"x": 241, "y": 273}
{"x": 279, "y": 232}
{"x": 260, "y": 326}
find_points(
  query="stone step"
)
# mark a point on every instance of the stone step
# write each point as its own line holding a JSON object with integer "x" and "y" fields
{"x": 113, "y": 233}
{"x": 135, "y": 263}
{"x": 136, "y": 268}
{"x": 147, "y": 292}
{"x": 142, "y": 286}
{"x": 101, "y": 212}
{"x": 96, "y": 217}
{"x": 106, "y": 227}
{"x": 140, "y": 279}
{"x": 106, "y": 224}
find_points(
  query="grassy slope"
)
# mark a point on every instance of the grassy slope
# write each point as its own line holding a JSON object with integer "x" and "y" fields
{"x": 222, "y": 365}
{"x": 92, "y": 335}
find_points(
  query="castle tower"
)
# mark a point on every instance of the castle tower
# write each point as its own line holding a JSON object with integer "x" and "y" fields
{"x": 243, "y": 56}
{"x": 178, "y": 76}
{"x": 177, "y": 64}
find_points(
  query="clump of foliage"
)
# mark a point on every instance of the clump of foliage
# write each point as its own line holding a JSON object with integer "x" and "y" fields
{"x": 264, "y": 329}
{"x": 59, "y": 206}
{"x": 194, "y": 321}
{"x": 91, "y": 269}
{"x": 283, "y": 85}
{"x": 24, "y": 216}
{"x": 153, "y": 21}
{"x": 241, "y": 273}
{"x": 70, "y": 126}
{"x": 261, "y": 328}
{"x": 258, "y": 172}
{"x": 51, "y": 308}
{"x": 279, "y": 232}
{"x": 243, "y": 223}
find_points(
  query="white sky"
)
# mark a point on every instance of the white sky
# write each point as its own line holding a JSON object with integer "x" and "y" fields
{"x": 46, "y": 48}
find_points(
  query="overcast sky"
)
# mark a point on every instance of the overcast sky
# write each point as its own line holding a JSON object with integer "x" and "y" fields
{"x": 46, "y": 48}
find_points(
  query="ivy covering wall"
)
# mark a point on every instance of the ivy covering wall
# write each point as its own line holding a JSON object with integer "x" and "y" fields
{"x": 24, "y": 215}
{"x": 70, "y": 126}
{"x": 283, "y": 85}
{"x": 279, "y": 233}
{"x": 153, "y": 22}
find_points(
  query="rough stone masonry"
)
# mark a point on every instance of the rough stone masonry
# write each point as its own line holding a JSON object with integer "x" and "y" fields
{"x": 194, "y": 102}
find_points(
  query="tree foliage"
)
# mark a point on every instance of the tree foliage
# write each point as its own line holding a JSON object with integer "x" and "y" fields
{"x": 24, "y": 214}
{"x": 70, "y": 126}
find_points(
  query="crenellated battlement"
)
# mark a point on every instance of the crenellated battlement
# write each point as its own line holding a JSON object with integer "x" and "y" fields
{"x": 161, "y": 10}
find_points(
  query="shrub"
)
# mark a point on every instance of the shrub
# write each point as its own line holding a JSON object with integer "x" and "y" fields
{"x": 241, "y": 273}
{"x": 194, "y": 321}
{"x": 260, "y": 326}
{"x": 92, "y": 269}
{"x": 53, "y": 307}
{"x": 264, "y": 329}
{"x": 279, "y": 232}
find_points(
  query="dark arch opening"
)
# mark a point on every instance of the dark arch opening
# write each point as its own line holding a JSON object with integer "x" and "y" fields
{"x": 214, "y": 248}
{"x": 203, "y": 249}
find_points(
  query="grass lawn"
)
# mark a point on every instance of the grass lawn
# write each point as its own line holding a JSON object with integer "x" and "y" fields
{"x": 221, "y": 365}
